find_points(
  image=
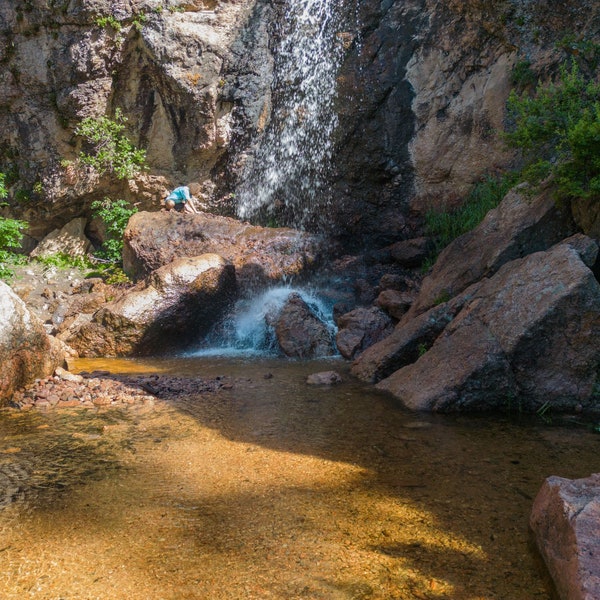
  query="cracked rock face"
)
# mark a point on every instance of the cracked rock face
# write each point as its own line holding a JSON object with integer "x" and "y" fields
{"x": 420, "y": 99}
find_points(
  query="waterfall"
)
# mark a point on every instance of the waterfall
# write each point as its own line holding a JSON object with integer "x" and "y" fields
{"x": 289, "y": 169}
{"x": 247, "y": 330}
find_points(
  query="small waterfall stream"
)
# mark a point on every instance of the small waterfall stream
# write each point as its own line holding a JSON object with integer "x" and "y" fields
{"x": 285, "y": 180}
{"x": 247, "y": 331}
{"x": 289, "y": 169}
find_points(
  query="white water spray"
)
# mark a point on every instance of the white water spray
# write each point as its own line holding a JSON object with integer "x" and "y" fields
{"x": 247, "y": 330}
{"x": 291, "y": 164}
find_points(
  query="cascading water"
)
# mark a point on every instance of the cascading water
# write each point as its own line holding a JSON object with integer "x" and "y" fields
{"x": 288, "y": 172}
{"x": 246, "y": 330}
{"x": 286, "y": 177}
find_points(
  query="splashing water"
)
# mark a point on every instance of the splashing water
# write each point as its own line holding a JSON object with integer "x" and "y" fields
{"x": 246, "y": 330}
{"x": 291, "y": 164}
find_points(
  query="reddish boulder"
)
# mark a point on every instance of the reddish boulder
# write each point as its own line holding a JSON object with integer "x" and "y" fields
{"x": 565, "y": 521}
{"x": 531, "y": 332}
{"x": 260, "y": 255}
{"x": 520, "y": 225}
{"x": 394, "y": 302}
{"x": 410, "y": 253}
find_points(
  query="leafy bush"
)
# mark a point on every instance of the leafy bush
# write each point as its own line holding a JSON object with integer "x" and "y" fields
{"x": 62, "y": 260}
{"x": 115, "y": 215}
{"x": 558, "y": 131}
{"x": 3, "y": 190}
{"x": 11, "y": 234}
{"x": 110, "y": 150}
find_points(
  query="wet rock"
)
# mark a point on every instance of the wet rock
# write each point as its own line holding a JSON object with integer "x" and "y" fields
{"x": 532, "y": 332}
{"x": 361, "y": 328}
{"x": 565, "y": 520}
{"x": 171, "y": 308}
{"x": 520, "y": 225}
{"x": 324, "y": 378}
{"x": 26, "y": 351}
{"x": 260, "y": 255}
{"x": 300, "y": 333}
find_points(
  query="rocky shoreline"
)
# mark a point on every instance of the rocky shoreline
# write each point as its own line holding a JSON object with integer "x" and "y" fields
{"x": 102, "y": 389}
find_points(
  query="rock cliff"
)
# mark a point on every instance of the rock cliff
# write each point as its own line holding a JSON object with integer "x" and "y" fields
{"x": 421, "y": 97}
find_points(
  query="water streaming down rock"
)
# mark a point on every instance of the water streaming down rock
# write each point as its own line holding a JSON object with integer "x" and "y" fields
{"x": 248, "y": 330}
{"x": 285, "y": 179}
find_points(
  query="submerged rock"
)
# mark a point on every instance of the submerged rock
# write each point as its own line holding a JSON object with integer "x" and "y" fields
{"x": 324, "y": 378}
{"x": 26, "y": 351}
{"x": 172, "y": 308}
{"x": 260, "y": 255}
{"x": 531, "y": 332}
{"x": 565, "y": 520}
{"x": 300, "y": 333}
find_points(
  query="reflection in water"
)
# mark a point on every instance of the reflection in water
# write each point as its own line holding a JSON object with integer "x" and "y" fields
{"x": 274, "y": 489}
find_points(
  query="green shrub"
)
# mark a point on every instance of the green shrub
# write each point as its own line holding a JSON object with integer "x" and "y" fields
{"x": 115, "y": 215}
{"x": 558, "y": 131}
{"x": 11, "y": 234}
{"x": 3, "y": 189}
{"x": 444, "y": 227}
{"x": 108, "y": 21}
{"x": 109, "y": 149}
{"x": 62, "y": 260}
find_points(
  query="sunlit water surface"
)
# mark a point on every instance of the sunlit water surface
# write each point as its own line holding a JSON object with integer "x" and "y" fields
{"x": 273, "y": 489}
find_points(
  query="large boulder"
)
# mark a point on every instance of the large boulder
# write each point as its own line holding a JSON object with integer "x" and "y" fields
{"x": 26, "y": 351}
{"x": 407, "y": 342}
{"x": 260, "y": 255}
{"x": 361, "y": 328}
{"x": 530, "y": 334}
{"x": 565, "y": 521}
{"x": 300, "y": 333}
{"x": 171, "y": 309}
{"x": 521, "y": 224}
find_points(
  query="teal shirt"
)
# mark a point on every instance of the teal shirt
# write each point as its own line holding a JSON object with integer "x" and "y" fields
{"x": 180, "y": 194}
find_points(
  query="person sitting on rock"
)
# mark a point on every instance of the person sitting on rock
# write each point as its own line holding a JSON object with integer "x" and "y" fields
{"x": 180, "y": 200}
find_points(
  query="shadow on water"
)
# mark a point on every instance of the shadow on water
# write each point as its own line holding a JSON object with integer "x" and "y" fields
{"x": 276, "y": 489}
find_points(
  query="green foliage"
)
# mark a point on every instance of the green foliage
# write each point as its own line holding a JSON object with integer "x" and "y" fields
{"x": 522, "y": 75}
{"x": 11, "y": 234}
{"x": 558, "y": 130}
{"x": 444, "y": 227}
{"x": 115, "y": 215}
{"x": 62, "y": 260}
{"x": 139, "y": 20}
{"x": 110, "y": 150}
{"x": 3, "y": 189}
{"x": 108, "y": 21}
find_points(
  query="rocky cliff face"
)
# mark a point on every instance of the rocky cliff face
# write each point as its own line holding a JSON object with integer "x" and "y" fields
{"x": 421, "y": 98}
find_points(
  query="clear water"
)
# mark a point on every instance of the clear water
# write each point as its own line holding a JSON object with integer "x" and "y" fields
{"x": 291, "y": 163}
{"x": 273, "y": 489}
{"x": 248, "y": 330}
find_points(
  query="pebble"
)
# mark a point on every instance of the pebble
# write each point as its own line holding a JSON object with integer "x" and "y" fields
{"x": 102, "y": 389}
